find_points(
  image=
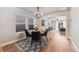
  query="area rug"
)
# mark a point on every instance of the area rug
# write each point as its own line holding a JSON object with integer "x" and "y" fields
{"x": 26, "y": 45}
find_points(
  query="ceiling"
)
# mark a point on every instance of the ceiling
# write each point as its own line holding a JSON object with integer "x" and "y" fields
{"x": 44, "y": 10}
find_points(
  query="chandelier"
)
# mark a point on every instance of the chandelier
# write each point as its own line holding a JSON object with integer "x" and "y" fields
{"x": 37, "y": 13}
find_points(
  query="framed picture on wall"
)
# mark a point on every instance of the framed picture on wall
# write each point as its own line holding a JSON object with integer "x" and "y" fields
{"x": 42, "y": 22}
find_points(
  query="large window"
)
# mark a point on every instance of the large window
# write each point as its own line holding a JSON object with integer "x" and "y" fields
{"x": 20, "y": 23}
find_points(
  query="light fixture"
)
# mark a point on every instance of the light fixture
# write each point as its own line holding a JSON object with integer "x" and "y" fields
{"x": 37, "y": 13}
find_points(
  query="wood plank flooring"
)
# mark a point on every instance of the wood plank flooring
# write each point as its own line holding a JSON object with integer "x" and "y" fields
{"x": 57, "y": 43}
{"x": 10, "y": 48}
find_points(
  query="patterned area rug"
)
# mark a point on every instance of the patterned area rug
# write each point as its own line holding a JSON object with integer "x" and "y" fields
{"x": 26, "y": 45}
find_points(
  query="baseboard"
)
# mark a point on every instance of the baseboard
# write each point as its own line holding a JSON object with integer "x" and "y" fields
{"x": 19, "y": 48}
{"x": 76, "y": 49}
{"x": 10, "y": 42}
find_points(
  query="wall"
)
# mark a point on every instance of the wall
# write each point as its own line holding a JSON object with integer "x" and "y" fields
{"x": 7, "y": 24}
{"x": 75, "y": 26}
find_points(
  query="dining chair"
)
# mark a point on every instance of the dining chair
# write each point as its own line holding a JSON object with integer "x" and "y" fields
{"x": 36, "y": 37}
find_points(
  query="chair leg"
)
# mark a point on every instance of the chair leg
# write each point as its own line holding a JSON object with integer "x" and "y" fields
{"x": 42, "y": 41}
{"x": 35, "y": 47}
{"x": 27, "y": 40}
{"x": 31, "y": 42}
{"x": 46, "y": 39}
{"x": 40, "y": 44}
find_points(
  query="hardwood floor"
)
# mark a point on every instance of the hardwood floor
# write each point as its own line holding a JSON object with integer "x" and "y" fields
{"x": 1, "y": 50}
{"x": 57, "y": 43}
{"x": 11, "y": 48}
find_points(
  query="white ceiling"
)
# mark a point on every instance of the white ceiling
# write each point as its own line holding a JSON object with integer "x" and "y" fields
{"x": 44, "y": 10}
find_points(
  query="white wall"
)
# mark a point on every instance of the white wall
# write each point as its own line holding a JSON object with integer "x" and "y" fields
{"x": 7, "y": 24}
{"x": 75, "y": 26}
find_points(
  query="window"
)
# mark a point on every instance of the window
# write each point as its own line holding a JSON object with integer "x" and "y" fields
{"x": 31, "y": 23}
{"x": 20, "y": 23}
